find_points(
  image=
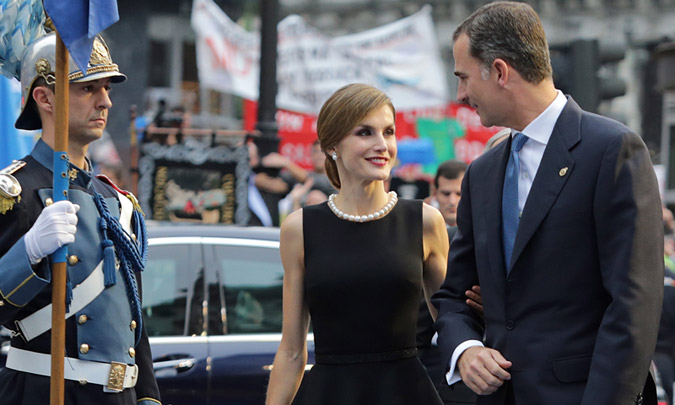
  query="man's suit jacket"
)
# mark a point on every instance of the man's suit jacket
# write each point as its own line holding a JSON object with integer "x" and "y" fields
{"x": 578, "y": 313}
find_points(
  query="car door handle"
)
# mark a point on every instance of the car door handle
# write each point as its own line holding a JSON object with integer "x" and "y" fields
{"x": 269, "y": 367}
{"x": 178, "y": 365}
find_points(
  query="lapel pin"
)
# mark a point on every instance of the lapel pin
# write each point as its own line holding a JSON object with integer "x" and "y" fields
{"x": 562, "y": 171}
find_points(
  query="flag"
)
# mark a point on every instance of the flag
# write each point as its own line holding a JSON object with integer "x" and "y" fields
{"x": 79, "y": 21}
{"x": 21, "y": 22}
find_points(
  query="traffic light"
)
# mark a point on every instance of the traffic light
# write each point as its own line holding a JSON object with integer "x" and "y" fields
{"x": 587, "y": 71}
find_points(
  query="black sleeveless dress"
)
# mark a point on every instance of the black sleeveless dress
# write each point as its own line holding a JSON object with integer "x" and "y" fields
{"x": 363, "y": 284}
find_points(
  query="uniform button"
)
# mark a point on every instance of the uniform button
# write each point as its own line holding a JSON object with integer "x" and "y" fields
{"x": 2, "y": 303}
{"x": 82, "y": 381}
{"x": 132, "y": 352}
{"x": 133, "y": 236}
{"x": 133, "y": 325}
{"x": 73, "y": 260}
{"x": 84, "y": 348}
{"x": 82, "y": 319}
{"x": 48, "y": 202}
{"x": 510, "y": 325}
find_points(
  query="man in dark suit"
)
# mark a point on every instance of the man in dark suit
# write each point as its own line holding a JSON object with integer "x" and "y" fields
{"x": 561, "y": 227}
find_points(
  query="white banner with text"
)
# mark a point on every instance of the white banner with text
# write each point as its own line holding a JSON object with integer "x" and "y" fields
{"x": 401, "y": 58}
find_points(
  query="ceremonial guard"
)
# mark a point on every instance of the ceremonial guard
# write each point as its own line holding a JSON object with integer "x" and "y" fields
{"x": 108, "y": 359}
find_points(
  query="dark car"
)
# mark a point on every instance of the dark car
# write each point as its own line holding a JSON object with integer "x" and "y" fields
{"x": 212, "y": 308}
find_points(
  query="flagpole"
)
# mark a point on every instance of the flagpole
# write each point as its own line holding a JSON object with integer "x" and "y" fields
{"x": 60, "y": 192}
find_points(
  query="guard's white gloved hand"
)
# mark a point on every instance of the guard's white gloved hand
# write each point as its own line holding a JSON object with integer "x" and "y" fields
{"x": 55, "y": 227}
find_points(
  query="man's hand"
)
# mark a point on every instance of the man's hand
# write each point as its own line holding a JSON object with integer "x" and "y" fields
{"x": 475, "y": 300}
{"x": 483, "y": 369}
{"x": 301, "y": 189}
{"x": 271, "y": 184}
{"x": 55, "y": 227}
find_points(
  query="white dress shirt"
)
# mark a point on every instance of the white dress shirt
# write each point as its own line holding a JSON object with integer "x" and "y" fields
{"x": 539, "y": 132}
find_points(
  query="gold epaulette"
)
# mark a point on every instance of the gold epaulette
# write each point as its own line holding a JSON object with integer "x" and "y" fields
{"x": 134, "y": 201}
{"x": 10, "y": 189}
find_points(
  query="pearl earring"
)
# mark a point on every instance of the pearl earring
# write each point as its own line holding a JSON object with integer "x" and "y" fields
{"x": 334, "y": 156}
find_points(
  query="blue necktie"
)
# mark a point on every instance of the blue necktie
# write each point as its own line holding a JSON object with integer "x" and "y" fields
{"x": 510, "y": 208}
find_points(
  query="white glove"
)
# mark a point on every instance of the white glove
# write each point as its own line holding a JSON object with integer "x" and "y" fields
{"x": 55, "y": 227}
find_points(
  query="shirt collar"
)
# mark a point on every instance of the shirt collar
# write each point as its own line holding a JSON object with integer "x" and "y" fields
{"x": 44, "y": 155}
{"x": 541, "y": 128}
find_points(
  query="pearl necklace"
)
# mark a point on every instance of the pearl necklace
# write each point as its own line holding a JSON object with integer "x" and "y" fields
{"x": 393, "y": 198}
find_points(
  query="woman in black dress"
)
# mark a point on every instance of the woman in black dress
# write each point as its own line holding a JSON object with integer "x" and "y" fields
{"x": 357, "y": 265}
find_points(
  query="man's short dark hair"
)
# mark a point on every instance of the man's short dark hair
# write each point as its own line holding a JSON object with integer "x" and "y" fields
{"x": 450, "y": 169}
{"x": 31, "y": 112}
{"x": 511, "y": 31}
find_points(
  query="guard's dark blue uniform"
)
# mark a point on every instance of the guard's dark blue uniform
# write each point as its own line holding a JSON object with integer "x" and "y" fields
{"x": 105, "y": 330}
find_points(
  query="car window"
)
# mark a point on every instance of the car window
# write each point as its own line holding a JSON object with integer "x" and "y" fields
{"x": 172, "y": 287}
{"x": 246, "y": 295}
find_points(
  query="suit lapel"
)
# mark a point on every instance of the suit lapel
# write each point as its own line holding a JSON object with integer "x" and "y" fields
{"x": 554, "y": 170}
{"x": 492, "y": 208}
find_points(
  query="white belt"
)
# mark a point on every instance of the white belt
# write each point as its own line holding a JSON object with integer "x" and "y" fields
{"x": 114, "y": 377}
{"x": 84, "y": 293}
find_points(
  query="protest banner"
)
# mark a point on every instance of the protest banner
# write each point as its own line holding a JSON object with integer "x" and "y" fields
{"x": 401, "y": 58}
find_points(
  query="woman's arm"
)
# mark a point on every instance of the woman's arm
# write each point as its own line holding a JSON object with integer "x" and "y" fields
{"x": 435, "y": 253}
{"x": 291, "y": 357}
